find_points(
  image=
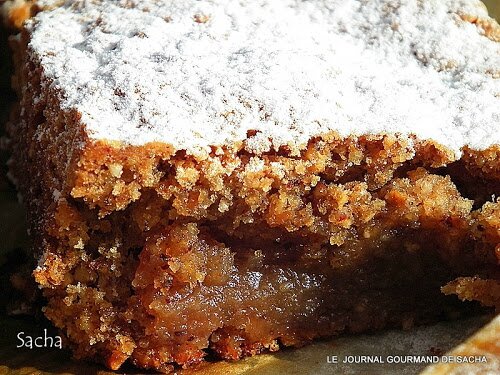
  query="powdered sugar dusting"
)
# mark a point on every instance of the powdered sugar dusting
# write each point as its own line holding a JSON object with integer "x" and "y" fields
{"x": 200, "y": 73}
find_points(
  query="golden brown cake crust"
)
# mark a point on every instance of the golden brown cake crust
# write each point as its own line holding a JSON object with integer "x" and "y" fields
{"x": 15, "y": 12}
{"x": 125, "y": 228}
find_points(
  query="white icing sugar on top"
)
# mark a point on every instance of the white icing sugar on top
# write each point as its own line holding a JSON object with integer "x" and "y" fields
{"x": 199, "y": 73}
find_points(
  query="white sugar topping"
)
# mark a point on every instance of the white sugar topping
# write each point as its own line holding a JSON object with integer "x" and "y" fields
{"x": 200, "y": 73}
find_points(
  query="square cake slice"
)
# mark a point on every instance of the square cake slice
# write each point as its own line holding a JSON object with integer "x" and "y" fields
{"x": 230, "y": 177}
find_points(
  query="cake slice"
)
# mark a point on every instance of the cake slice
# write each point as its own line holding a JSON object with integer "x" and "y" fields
{"x": 231, "y": 177}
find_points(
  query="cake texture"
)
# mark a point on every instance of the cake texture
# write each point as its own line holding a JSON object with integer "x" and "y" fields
{"x": 15, "y": 12}
{"x": 232, "y": 177}
{"x": 174, "y": 68}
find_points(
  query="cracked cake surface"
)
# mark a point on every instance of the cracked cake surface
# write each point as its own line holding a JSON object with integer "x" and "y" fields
{"x": 225, "y": 178}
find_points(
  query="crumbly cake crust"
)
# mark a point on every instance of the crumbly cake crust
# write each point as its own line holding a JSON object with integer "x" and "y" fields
{"x": 158, "y": 255}
{"x": 15, "y": 12}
